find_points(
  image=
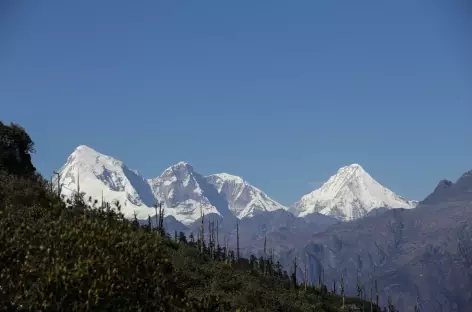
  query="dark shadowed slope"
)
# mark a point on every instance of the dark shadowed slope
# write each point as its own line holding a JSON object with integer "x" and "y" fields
{"x": 425, "y": 251}
{"x": 446, "y": 191}
{"x": 281, "y": 229}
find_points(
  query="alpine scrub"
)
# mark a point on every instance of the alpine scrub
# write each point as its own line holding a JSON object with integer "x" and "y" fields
{"x": 82, "y": 255}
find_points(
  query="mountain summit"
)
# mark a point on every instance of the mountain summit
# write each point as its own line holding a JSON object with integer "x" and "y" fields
{"x": 349, "y": 194}
{"x": 183, "y": 192}
{"x": 244, "y": 200}
{"x": 101, "y": 176}
{"x": 449, "y": 192}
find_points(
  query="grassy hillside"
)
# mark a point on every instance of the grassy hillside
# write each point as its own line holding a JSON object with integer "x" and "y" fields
{"x": 82, "y": 257}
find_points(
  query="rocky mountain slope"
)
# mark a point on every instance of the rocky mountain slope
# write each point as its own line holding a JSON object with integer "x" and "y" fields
{"x": 424, "y": 252}
{"x": 349, "y": 194}
{"x": 282, "y": 231}
{"x": 447, "y": 191}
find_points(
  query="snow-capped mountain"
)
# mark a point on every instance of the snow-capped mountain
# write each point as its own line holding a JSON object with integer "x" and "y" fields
{"x": 349, "y": 194}
{"x": 183, "y": 193}
{"x": 244, "y": 200}
{"x": 97, "y": 174}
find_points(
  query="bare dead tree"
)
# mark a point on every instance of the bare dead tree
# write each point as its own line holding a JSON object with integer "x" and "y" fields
{"x": 202, "y": 239}
{"x": 161, "y": 219}
{"x": 78, "y": 182}
{"x": 58, "y": 183}
{"x": 226, "y": 249}
{"x": 264, "y": 257}
{"x": 210, "y": 237}
{"x": 464, "y": 245}
{"x": 305, "y": 273}
{"x": 376, "y": 293}
{"x": 157, "y": 216}
{"x": 217, "y": 238}
{"x": 237, "y": 240}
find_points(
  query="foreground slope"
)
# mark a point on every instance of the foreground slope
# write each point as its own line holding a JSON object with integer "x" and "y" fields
{"x": 80, "y": 259}
{"x": 349, "y": 194}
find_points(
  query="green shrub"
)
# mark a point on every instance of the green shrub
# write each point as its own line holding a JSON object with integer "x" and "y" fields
{"x": 75, "y": 257}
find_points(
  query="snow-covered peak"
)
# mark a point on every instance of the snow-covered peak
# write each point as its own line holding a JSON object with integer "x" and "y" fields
{"x": 97, "y": 174}
{"x": 223, "y": 178}
{"x": 88, "y": 156}
{"x": 180, "y": 170}
{"x": 182, "y": 165}
{"x": 244, "y": 199}
{"x": 183, "y": 192}
{"x": 186, "y": 194}
{"x": 352, "y": 167}
{"x": 349, "y": 194}
{"x": 344, "y": 176}
{"x": 85, "y": 148}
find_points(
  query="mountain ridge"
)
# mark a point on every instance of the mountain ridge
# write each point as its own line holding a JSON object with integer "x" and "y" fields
{"x": 183, "y": 193}
{"x": 417, "y": 255}
{"x": 186, "y": 194}
{"x": 412, "y": 255}
{"x": 244, "y": 198}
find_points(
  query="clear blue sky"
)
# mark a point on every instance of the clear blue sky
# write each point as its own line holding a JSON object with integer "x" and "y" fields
{"x": 282, "y": 93}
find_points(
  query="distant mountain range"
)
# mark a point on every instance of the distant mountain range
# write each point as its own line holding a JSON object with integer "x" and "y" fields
{"x": 422, "y": 254}
{"x": 185, "y": 194}
{"x": 348, "y": 228}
